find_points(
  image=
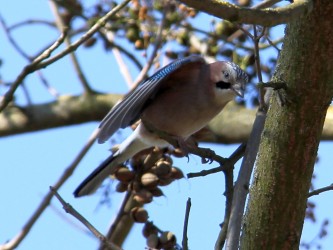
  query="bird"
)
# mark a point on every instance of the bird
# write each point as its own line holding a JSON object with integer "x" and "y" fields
{"x": 179, "y": 100}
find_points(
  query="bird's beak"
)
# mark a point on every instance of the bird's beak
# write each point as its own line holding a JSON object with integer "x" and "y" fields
{"x": 239, "y": 89}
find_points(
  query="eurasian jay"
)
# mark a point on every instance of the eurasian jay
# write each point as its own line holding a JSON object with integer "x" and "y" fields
{"x": 179, "y": 99}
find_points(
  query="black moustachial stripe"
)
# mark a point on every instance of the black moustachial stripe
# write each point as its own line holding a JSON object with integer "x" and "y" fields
{"x": 223, "y": 85}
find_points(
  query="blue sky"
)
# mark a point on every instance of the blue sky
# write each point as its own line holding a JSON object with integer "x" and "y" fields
{"x": 31, "y": 162}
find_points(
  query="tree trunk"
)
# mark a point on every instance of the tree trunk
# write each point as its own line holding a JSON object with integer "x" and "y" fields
{"x": 289, "y": 143}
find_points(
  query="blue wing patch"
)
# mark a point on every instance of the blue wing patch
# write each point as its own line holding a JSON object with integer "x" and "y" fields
{"x": 128, "y": 110}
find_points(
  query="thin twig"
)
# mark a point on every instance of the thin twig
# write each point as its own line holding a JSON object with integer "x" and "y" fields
{"x": 321, "y": 190}
{"x": 243, "y": 181}
{"x": 229, "y": 191}
{"x": 256, "y": 39}
{"x": 29, "y": 69}
{"x": 61, "y": 25}
{"x": 187, "y": 216}
{"x": 122, "y": 66}
{"x": 8, "y": 30}
{"x": 157, "y": 46}
{"x": 69, "y": 209}
{"x": 40, "y": 61}
{"x": 12, "y": 40}
{"x": 228, "y": 163}
{"x": 13, "y": 243}
{"x": 31, "y": 21}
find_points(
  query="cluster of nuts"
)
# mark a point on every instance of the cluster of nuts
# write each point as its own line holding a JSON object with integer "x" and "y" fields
{"x": 157, "y": 239}
{"x": 145, "y": 183}
{"x": 149, "y": 171}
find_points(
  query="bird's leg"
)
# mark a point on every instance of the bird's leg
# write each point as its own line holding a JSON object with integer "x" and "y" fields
{"x": 187, "y": 146}
{"x": 190, "y": 146}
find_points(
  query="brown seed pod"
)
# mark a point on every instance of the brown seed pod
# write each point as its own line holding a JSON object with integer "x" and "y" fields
{"x": 152, "y": 241}
{"x": 168, "y": 159}
{"x": 123, "y": 174}
{"x": 121, "y": 187}
{"x": 156, "y": 192}
{"x": 149, "y": 180}
{"x": 139, "y": 214}
{"x": 162, "y": 169}
{"x": 143, "y": 196}
{"x": 139, "y": 44}
{"x": 168, "y": 239}
{"x": 176, "y": 173}
{"x": 165, "y": 181}
{"x": 148, "y": 229}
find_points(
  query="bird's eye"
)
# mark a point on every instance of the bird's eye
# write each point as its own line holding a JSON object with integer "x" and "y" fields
{"x": 226, "y": 74}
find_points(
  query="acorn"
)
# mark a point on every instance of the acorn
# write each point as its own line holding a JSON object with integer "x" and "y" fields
{"x": 149, "y": 180}
{"x": 162, "y": 168}
{"x": 152, "y": 241}
{"x": 121, "y": 187}
{"x": 165, "y": 181}
{"x": 176, "y": 173}
{"x": 156, "y": 192}
{"x": 168, "y": 238}
{"x": 123, "y": 174}
{"x": 139, "y": 214}
{"x": 143, "y": 196}
{"x": 148, "y": 229}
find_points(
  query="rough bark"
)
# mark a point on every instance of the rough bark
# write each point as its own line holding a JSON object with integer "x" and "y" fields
{"x": 276, "y": 208}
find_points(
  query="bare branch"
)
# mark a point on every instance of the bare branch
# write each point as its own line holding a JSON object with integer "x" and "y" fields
{"x": 13, "y": 243}
{"x": 229, "y": 163}
{"x": 243, "y": 182}
{"x": 61, "y": 25}
{"x": 100, "y": 23}
{"x": 69, "y": 209}
{"x": 157, "y": 46}
{"x": 321, "y": 190}
{"x": 70, "y": 110}
{"x": 265, "y": 17}
{"x": 39, "y": 62}
{"x": 66, "y": 110}
{"x": 4, "y": 100}
{"x": 187, "y": 216}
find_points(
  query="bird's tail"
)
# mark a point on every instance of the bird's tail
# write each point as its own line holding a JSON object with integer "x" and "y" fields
{"x": 90, "y": 184}
{"x": 131, "y": 146}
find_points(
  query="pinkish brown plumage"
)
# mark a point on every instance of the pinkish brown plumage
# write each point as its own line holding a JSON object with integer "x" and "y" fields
{"x": 179, "y": 100}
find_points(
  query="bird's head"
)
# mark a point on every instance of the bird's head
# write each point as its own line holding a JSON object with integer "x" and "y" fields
{"x": 229, "y": 78}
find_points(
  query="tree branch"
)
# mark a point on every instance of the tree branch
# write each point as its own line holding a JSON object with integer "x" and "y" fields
{"x": 4, "y": 100}
{"x": 13, "y": 243}
{"x": 70, "y": 110}
{"x": 321, "y": 190}
{"x": 40, "y": 61}
{"x": 264, "y": 17}
{"x": 69, "y": 209}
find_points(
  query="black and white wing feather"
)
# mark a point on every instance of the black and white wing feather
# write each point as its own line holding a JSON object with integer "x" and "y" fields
{"x": 129, "y": 109}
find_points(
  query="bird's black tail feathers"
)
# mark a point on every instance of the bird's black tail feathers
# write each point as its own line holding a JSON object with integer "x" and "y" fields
{"x": 95, "y": 179}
